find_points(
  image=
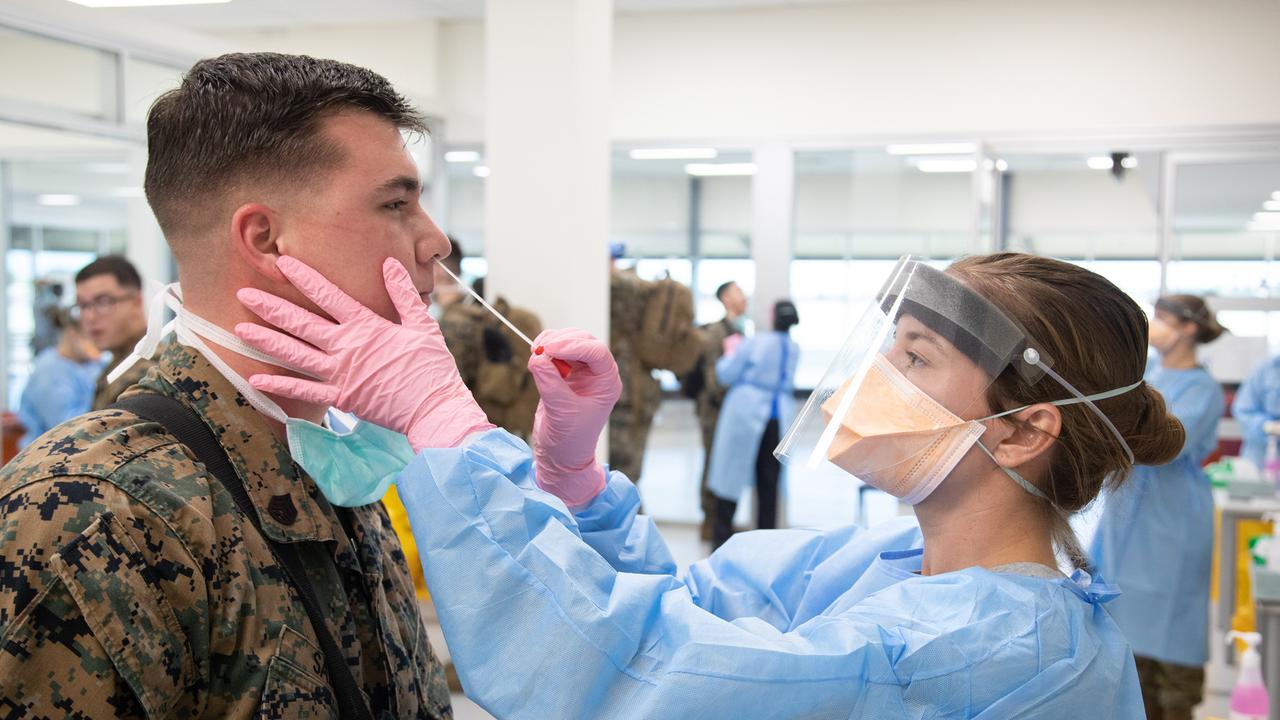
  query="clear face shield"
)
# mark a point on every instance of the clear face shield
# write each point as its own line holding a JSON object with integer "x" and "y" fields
{"x": 906, "y": 398}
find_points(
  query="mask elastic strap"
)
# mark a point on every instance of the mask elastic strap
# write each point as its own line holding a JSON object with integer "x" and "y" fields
{"x": 1015, "y": 475}
{"x": 1032, "y": 357}
{"x": 156, "y": 330}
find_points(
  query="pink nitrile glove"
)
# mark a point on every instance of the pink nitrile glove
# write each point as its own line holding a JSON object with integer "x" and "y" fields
{"x": 572, "y": 412}
{"x": 397, "y": 375}
{"x": 729, "y": 347}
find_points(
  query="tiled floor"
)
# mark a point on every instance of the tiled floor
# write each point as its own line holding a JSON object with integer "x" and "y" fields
{"x": 669, "y": 487}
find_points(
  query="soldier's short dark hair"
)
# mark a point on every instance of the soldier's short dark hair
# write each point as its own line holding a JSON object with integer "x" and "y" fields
{"x": 252, "y": 116}
{"x": 724, "y": 288}
{"x": 123, "y": 271}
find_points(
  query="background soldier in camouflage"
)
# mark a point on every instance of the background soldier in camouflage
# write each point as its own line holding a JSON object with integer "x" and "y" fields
{"x": 491, "y": 359}
{"x": 650, "y": 328}
{"x": 109, "y": 306}
{"x": 130, "y": 584}
{"x": 711, "y": 394}
{"x": 632, "y": 416}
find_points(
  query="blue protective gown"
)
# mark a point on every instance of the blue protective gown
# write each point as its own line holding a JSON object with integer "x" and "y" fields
{"x": 1155, "y": 539}
{"x": 58, "y": 390}
{"x": 555, "y": 615}
{"x": 761, "y": 380}
{"x": 1257, "y": 401}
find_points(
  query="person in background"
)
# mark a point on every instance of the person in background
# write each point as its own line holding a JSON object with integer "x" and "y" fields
{"x": 709, "y": 393}
{"x": 109, "y": 308}
{"x": 760, "y": 403}
{"x": 1257, "y": 407}
{"x": 650, "y": 328}
{"x": 1156, "y": 536}
{"x": 62, "y": 378}
{"x": 490, "y": 357}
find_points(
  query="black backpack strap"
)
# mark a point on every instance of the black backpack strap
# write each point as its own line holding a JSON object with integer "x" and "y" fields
{"x": 184, "y": 424}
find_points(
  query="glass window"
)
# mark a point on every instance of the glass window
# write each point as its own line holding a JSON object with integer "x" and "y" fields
{"x": 873, "y": 204}
{"x": 1223, "y": 240}
{"x": 464, "y": 219}
{"x": 41, "y": 72}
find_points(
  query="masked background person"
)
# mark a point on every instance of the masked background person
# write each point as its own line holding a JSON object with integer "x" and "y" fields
{"x": 940, "y": 397}
{"x": 1156, "y": 535}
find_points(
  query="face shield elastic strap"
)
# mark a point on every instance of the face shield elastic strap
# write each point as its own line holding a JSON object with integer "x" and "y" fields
{"x": 1031, "y": 357}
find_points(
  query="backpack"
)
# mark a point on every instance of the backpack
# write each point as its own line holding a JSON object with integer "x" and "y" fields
{"x": 668, "y": 339}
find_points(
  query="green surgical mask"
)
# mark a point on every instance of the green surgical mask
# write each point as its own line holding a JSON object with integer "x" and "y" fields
{"x": 352, "y": 468}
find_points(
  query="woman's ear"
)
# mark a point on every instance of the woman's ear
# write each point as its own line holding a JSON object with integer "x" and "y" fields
{"x": 255, "y": 233}
{"x": 1035, "y": 430}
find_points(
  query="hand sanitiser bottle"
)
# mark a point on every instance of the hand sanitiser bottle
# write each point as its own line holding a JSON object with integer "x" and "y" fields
{"x": 1271, "y": 461}
{"x": 1249, "y": 699}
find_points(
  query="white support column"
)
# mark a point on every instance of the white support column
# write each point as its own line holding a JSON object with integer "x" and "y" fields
{"x": 772, "y": 212}
{"x": 147, "y": 248}
{"x": 6, "y": 220}
{"x": 547, "y": 148}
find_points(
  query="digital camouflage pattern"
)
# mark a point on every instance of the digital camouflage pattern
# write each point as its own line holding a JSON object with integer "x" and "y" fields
{"x": 632, "y": 416}
{"x": 504, "y": 390}
{"x": 104, "y": 393}
{"x": 130, "y": 585}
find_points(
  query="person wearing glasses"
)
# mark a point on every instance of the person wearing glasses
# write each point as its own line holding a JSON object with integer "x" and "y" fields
{"x": 109, "y": 308}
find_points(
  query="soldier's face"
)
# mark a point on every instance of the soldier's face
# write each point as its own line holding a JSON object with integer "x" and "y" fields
{"x": 368, "y": 209}
{"x": 111, "y": 315}
{"x": 735, "y": 301}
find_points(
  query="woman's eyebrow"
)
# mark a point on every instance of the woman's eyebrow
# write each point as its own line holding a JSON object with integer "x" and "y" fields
{"x": 913, "y": 335}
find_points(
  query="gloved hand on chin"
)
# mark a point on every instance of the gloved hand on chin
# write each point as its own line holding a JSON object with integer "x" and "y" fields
{"x": 397, "y": 375}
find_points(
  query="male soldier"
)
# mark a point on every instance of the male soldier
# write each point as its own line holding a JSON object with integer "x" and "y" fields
{"x": 109, "y": 303}
{"x": 131, "y": 584}
{"x": 491, "y": 359}
{"x": 711, "y": 394}
{"x": 632, "y": 416}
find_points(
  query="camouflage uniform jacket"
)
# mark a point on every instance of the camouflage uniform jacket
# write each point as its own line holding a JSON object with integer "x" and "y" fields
{"x": 104, "y": 393}
{"x": 131, "y": 586}
{"x": 627, "y": 296}
{"x": 504, "y": 390}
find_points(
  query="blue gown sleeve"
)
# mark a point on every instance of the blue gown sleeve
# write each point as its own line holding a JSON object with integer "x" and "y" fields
{"x": 1250, "y": 406}
{"x": 729, "y": 368}
{"x": 541, "y": 624}
{"x": 1199, "y": 408}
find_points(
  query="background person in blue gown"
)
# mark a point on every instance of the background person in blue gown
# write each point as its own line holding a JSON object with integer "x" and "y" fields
{"x": 1156, "y": 536}
{"x": 760, "y": 404}
{"x": 62, "y": 379}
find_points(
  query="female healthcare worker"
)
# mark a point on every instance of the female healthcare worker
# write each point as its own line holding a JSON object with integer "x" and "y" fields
{"x": 996, "y": 397}
{"x": 1156, "y": 536}
{"x": 760, "y": 404}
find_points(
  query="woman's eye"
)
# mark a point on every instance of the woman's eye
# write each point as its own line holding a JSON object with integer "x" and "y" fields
{"x": 914, "y": 360}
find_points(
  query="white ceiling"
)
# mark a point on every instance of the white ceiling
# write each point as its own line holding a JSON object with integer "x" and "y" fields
{"x": 277, "y": 13}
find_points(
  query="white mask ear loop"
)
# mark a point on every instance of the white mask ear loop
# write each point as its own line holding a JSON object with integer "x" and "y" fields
{"x": 156, "y": 330}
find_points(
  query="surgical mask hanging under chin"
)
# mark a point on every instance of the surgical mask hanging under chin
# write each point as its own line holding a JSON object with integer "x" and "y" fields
{"x": 351, "y": 468}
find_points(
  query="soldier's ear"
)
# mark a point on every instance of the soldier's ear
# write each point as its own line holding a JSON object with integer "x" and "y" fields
{"x": 255, "y": 233}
